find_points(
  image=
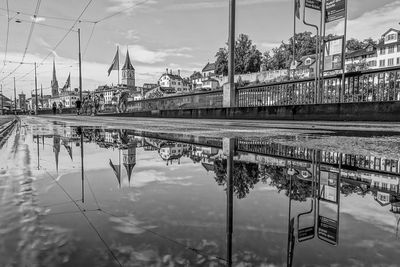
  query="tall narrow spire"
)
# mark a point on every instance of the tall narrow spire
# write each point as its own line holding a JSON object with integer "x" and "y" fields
{"x": 128, "y": 64}
{"x": 54, "y": 82}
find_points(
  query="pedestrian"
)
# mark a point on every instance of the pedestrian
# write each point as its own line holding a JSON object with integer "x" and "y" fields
{"x": 102, "y": 102}
{"x": 54, "y": 108}
{"x": 90, "y": 105}
{"x": 78, "y": 104}
{"x": 84, "y": 105}
{"x": 60, "y": 107}
{"x": 96, "y": 104}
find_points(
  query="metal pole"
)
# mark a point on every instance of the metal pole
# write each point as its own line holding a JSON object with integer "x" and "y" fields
{"x": 341, "y": 95}
{"x": 231, "y": 49}
{"x": 15, "y": 99}
{"x": 36, "y": 93}
{"x": 82, "y": 169}
{"x": 80, "y": 64}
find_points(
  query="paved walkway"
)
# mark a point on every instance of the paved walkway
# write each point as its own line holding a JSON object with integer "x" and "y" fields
{"x": 227, "y": 127}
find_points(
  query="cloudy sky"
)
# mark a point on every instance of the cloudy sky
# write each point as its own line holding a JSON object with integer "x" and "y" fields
{"x": 160, "y": 34}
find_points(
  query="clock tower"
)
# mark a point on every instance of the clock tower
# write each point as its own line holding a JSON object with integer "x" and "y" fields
{"x": 128, "y": 73}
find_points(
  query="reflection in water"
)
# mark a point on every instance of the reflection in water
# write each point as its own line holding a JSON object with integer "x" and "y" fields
{"x": 314, "y": 181}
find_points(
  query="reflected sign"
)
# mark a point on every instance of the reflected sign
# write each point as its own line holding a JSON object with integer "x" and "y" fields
{"x": 314, "y": 4}
{"x": 306, "y": 233}
{"x": 328, "y": 229}
{"x": 335, "y": 10}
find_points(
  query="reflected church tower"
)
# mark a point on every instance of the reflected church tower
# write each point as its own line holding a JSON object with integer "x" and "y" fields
{"x": 129, "y": 159}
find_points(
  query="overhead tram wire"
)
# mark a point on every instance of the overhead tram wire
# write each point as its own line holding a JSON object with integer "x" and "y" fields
{"x": 48, "y": 17}
{"x": 59, "y": 43}
{"x": 28, "y": 41}
{"x": 8, "y": 33}
{"x": 90, "y": 38}
{"x": 122, "y": 11}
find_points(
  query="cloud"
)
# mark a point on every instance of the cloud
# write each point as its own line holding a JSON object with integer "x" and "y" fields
{"x": 38, "y": 19}
{"x": 144, "y": 55}
{"x": 187, "y": 5}
{"x": 132, "y": 35}
{"x": 129, "y": 6}
{"x": 372, "y": 23}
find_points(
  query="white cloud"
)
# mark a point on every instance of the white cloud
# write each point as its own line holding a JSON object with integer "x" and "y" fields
{"x": 38, "y": 19}
{"x": 129, "y": 6}
{"x": 187, "y": 5}
{"x": 142, "y": 54}
{"x": 372, "y": 23}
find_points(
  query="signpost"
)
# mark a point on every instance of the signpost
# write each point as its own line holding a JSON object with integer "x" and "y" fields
{"x": 333, "y": 54}
{"x": 328, "y": 229}
{"x": 335, "y": 10}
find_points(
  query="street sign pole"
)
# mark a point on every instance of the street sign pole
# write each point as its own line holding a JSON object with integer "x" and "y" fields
{"x": 80, "y": 64}
{"x": 2, "y": 110}
{"x": 15, "y": 98}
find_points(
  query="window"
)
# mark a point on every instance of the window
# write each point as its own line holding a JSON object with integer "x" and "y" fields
{"x": 372, "y": 63}
{"x": 393, "y": 188}
{"x": 391, "y": 62}
{"x": 384, "y": 186}
{"x": 376, "y": 184}
{"x": 370, "y": 48}
{"x": 391, "y": 37}
{"x": 398, "y": 61}
{"x": 391, "y": 49}
{"x": 382, "y": 51}
{"x": 382, "y": 63}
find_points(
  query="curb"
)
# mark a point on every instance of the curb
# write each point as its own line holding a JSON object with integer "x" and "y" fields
{"x": 6, "y": 127}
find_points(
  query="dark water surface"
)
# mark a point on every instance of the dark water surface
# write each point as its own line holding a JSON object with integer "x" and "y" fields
{"x": 87, "y": 196}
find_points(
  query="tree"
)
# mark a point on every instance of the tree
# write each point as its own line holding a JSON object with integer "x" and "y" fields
{"x": 221, "y": 64}
{"x": 282, "y": 56}
{"x": 354, "y": 45}
{"x": 247, "y": 57}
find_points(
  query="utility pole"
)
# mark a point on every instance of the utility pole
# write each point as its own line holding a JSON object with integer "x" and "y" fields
{"x": 36, "y": 93}
{"x": 80, "y": 64}
{"x": 229, "y": 93}
{"x": 15, "y": 98}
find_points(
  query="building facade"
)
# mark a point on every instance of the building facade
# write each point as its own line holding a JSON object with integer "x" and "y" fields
{"x": 175, "y": 81}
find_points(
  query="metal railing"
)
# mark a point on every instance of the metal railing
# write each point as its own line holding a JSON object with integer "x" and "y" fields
{"x": 367, "y": 86}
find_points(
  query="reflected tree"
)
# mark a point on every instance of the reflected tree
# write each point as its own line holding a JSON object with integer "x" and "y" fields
{"x": 301, "y": 189}
{"x": 245, "y": 176}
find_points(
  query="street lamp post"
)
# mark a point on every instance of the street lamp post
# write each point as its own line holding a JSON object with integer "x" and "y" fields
{"x": 36, "y": 93}
{"x": 80, "y": 65}
{"x": 15, "y": 98}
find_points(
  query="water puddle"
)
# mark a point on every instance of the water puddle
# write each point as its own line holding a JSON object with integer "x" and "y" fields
{"x": 92, "y": 196}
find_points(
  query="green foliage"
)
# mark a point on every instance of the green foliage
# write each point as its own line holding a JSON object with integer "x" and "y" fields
{"x": 247, "y": 57}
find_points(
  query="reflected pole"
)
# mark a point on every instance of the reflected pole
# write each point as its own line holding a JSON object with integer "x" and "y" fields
{"x": 229, "y": 151}
{"x": 82, "y": 170}
{"x": 38, "y": 157}
{"x": 1, "y": 93}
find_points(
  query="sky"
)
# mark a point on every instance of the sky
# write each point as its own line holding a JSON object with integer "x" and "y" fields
{"x": 160, "y": 34}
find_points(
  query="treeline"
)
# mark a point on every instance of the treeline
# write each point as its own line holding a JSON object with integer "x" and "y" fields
{"x": 249, "y": 59}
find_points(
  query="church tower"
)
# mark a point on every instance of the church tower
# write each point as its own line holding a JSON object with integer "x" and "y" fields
{"x": 54, "y": 82}
{"x": 128, "y": 73}
{"x": 129, "y": 159}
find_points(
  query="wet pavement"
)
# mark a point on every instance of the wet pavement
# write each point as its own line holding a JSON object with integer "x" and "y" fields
{"x": 112, "y": 194}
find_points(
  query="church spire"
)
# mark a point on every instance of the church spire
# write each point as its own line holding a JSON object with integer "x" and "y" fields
{"x": 54, "y": 82}
{"x": 128, "y": 64}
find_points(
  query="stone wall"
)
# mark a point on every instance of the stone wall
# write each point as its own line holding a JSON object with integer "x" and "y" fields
{"x": 189, "y": 101}
{"x": 375, "y": 111}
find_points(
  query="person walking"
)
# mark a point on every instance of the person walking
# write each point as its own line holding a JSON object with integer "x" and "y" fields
{"x": 54, "y": 108}
{"x": 90, "y": 105}
{"x": 102, "y": 102}
{"x": 96, "y": 104}
{"x": 60, "y": 107}
{"x": 78, "y": 105}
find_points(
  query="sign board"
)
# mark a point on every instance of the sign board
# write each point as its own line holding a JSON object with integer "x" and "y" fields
{"x": 335, "y": 10}
{"x": 333, "y": 54}
{"x": 306, "y": 233}
{"x": 314, "y": 4}
{"x": 328, "y": 229}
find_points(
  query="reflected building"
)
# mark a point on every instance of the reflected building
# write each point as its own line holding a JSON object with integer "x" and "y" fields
{"x": 129, "y": 159}
{"x": 56, "y": 148}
